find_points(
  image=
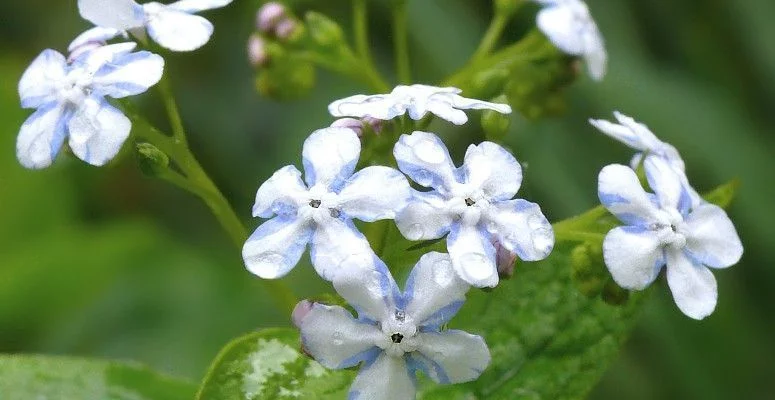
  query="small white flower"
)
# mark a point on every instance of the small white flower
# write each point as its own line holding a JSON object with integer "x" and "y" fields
{"x": 70, "y": 102}
{"x": 666, "y": 229}
{"x": 417, "y": 101}
{"x": 320, "y": 212}
{"x": 472, "y": 203}
{"x": 173, "y": 26}
{"x": 569, "y": 25}
{"x": 396, "y": 334}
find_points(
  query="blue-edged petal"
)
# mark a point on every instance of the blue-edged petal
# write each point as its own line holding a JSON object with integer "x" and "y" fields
{"x": 711, "y": 237}
{"x": 41, "y": 136}
{"x": 40, "y": 82}
{"x": 375, "y": 193}
{"x": 97, "y": 34}
{"x": 330, "y": 156}
{"x": 97, "y": 131}
{"x": 620, "y": 192}
{"x": 117, "y": 14}
{"x": 451, "y": 356}
{"x": 693, "y": 285}
{"x": 493, "y": 169}
{"x": 434, "y": 292}
{"x": 387, "y": 378}
{"x": 192, "y": 6}
{"x": 667, "y": 184}
{"x": 337, "y": 245}
{"x": 379, "y": 106}
{"x": 94, "y": 60}
{"x": 439, "y": 107}
{"x": 129, "y": 74}
{"x": 425, "y": 217}
{"x": 633, "y": 255}
{"x": 369, "y": 288}
{"x": 177, "y": 30}
{"x": 425, "y": 159}
{"x": 473, "y": 255}
{"x": 280, "y": 193}
{"x": 522, "y": 228}
{"x": 276, "y": 246}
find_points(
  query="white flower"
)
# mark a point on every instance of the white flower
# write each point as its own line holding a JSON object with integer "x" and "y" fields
{"x": 173, "y": 26}
{"x": 70, "y": 102}
{"x": 396, "y": 334}
{"x": 569, "y": 25}
{"x": 320, "y": 212}
{"x": 639, "y": 137}
{"x": 666, "y": 229}
{"x": 473, "y": 204}
{"x": 417, "y": 100}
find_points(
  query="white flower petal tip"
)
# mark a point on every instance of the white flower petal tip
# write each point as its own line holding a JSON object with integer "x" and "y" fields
{"x": 116, "y": 14}
{"x": 569, "y": 25}
{"x": 319, "y": 209}
{"x": 396, "y": 334}
{"x": 70, "y": 102}
{"x": 415, "y": 100}
{"x": 472, "y": 203}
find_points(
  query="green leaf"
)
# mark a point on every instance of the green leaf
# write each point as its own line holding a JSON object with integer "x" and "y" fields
{"x": 268, "y": 365}
{"x": 64, "y": 378}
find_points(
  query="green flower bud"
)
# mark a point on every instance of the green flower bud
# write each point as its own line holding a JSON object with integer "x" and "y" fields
{"x": 490, "y": 82}
{"x": 152, "y": 161}
{"x": 286, "y": 78}
{"x": 324, "y": 31}
{"x": 495, "y": 124}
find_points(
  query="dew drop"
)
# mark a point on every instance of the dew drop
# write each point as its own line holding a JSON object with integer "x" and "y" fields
{"x": 274, "y": 262}
{"x": 429, "y": 151}
{"x": 443, "y": 273}
{"x": 476, "y": 265}
{"x": 535, "y": 222}
{"x": 415, "y": 232}
{"x": 337, "y": 338}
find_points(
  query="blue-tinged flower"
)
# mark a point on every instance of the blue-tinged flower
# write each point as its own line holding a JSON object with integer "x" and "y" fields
{"x": 320, "y": 209}
{"x": 473, "y": 204}
{"x": 396, "y": 334}
{"x": 173, "y": 26}
{"x": 417, "y": 101}
{"x": 569, "y": 25}
{"x": 70, "y": 102}
{"x": 665, "y": 228}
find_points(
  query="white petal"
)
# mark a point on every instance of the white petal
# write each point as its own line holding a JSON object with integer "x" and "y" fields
{"x": 425, "y": 217}
{"x": 92, "y": 61}
{"x": 369, "y": 288}
{"x": 711, "y": 237}
{"x": 633, "y": 255}
{"x": 39, "y": 83}
{"x": 276, "y": 246}
{"x": 97, "y": 34}
{"x": 452, "y": 356}
{"x": 192, "y": 6}
{"x": 375, "y": 193}
{"x": 465, "y": 103}
{"x": 425, "y": 159}
{"x": 379, "y": 106}
{"x": 473, "y": 255}
{"x": 620, "y": 192}
{"x": 434, "y": 293}
{"x": 97, "y": 131}
{"x": 666, "y": 183}
{"x": 117, "y": 14}
{"x": 129, "y": 74}
{"x": 387, "y": 378}
{"x": 179, "y": 31}
{"x": 493, "y": 169}
{"x": 523, "y": 229}
{"x": 335, "y": 339}
{"x": 329, "y": 157}
{"x": 442, "y": 109}
{"x": 559, "y": 25}
{"x": 647, "y": 141}
{"x": 693, "y": 285}
{"x": 337, "y": 245}
{"x": 41, "y": 136}
{"x": 279, "y": 193}
{"x": 620, "y": 133}
{"x": 595, "y": 54}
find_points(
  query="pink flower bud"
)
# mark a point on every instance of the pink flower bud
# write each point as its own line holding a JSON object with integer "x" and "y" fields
{"x": 284, "y": 28}
{"x": 269, "y": 15}
{"x": 504, "y": 260}
{"x": 300, "y": 311}
{"x": 353, "y": 124}
{"x": 257, "y": 54}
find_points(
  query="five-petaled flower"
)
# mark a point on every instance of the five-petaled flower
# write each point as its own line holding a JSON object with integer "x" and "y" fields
{"x": 70, "y": 102}
{"x": 473, "y": 204}
{"x": 173, "y": 26}
{"x": 666, "y": 229}
{"x": 321, "y": 212}
{"x": 569, "y": 25}
{"x": 417, "y": 101}
{"x": 396, "y": 334}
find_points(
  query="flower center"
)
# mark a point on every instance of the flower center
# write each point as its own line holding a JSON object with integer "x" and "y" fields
{"x": 470, "y": 202}
{"x": 396, "y": 338}
{"x": 314, "y": 203}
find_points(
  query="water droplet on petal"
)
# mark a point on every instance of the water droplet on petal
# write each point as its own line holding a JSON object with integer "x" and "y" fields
{"x": 476, "y": 265}
{"x": 443, "y": 273}
{"x": 337, "y": 338}
{"x": 543, "y": 240}
{"x": 271, "y": 263}
{"x": 429, "y": 151}
{"x": 415, "y": 232}
{"x": 535, "y": 221}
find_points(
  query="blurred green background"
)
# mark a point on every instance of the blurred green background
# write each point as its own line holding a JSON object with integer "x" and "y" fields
{"x": 108, "y": 263}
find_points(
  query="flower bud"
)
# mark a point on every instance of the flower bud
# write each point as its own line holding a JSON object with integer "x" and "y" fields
{"x": 360, "y": 126}
{"x": 257, "y": 54}
{"x": 269, "y": 15}
{"x": 587, "y": 272}
{"x": 300, "y": 311}
{"x": 324, "y": 31}
{"x": 152, "y": 161}
{"x": 285, "y": 29}
{"x": 505, "y": 261}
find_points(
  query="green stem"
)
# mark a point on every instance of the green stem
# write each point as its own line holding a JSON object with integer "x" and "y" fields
{"x": 401, "y": 42}
{"x": 491, "y": 37}
{"x": 173, "y": 114}
{"x": 360, "y": 24}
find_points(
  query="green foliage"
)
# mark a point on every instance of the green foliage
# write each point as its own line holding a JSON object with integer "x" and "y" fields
{"x": 268, "y": 365}
{"x": 63, "y": 378}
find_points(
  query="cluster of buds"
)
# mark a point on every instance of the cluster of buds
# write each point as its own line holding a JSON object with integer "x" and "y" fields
{"x": 273, "y": 23}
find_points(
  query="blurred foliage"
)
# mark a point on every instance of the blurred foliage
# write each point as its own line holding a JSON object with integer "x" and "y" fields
{"x": 105, "y": 262}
